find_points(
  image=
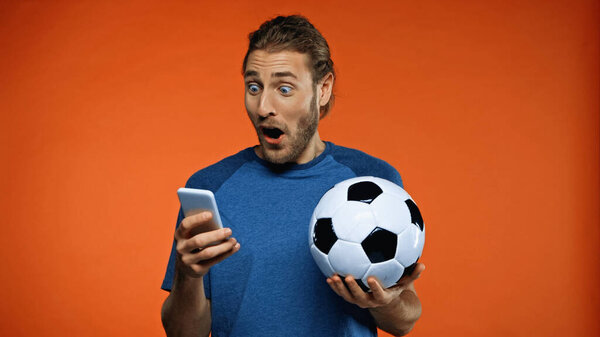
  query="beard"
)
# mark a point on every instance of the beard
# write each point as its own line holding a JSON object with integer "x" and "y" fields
{"x": 296, "y": 143}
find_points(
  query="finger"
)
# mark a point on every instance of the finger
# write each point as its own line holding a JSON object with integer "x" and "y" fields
{"x": 330, "y": 282}
{"x": 380, "y": 295}
{"x": 357, "y": 292}
{"x": 190, "y": 223}
{"x": 209, "y": 252}
{"x": 219, "y": 258}
{"x": 202, "y": 268}
{"x": 203, "y": 240}
{"x": 419, "y": 268}
{"x": 338, "y": 286}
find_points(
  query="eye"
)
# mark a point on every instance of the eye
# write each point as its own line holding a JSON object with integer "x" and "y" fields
{"x": 286, "y": 90}
{"x": 253, "y": 88}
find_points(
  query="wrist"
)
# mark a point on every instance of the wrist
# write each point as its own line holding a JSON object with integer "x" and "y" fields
{"x": 400, "y": 315}
{"x": 190, "y": 285}
{"x": 393, "y": 306}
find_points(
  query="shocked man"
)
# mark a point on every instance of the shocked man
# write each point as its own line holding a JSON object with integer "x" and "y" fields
{"x": 265, "y": 282}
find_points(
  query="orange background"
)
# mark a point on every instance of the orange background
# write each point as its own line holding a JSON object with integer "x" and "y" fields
{"x": 489, "y": 110}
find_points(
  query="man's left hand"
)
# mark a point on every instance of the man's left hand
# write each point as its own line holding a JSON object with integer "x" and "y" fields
{"x": 395, "y": 309}
{"x": 378, "y": 296}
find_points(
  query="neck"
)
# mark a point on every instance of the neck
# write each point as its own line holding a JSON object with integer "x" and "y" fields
{"x": 314, "y": 148}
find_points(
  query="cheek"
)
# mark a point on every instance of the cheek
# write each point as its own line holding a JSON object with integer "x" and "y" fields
{"x": 246, "y": 102}
{"x": 295, "y": 107}
{"x": 250, "y": 106}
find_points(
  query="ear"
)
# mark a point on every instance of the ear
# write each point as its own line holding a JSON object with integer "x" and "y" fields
{"x": 325, "y": 89}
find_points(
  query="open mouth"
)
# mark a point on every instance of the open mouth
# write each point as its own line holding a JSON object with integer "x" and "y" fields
{"x": 272, "y": 135}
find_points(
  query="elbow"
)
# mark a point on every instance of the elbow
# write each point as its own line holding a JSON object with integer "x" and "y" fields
{"x": 164, "y": 316}
{"x": 400, "y": 331}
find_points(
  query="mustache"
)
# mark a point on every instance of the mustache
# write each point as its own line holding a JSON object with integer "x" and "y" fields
{"x": 261, "y": 126}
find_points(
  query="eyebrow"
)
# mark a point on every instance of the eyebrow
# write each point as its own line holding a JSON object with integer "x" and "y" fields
{"x": 284, "y": 74}
{"x": 250, "y": 73}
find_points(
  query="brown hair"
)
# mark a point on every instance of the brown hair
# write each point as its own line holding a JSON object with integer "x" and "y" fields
{"x": 295, "y": 33}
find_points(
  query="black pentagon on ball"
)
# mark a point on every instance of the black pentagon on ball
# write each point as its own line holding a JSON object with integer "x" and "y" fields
{"x": 362, "y": 285}
{"x": 415, "y": 214}
{"x": 358, "y": 281}
{"x": 380, "y": 245}
{"x": 323, "y": 235}
{"x": 364, "y": 191}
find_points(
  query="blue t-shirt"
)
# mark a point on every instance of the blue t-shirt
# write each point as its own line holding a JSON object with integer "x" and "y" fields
{"x": 272, "y": 286}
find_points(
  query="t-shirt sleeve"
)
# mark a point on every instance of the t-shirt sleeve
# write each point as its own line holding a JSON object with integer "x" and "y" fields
{"x": 210, "y": 178}
{"x": 363, "y": 164}
{"x": 167, "y": 283}
{"x": 386, "y": 171}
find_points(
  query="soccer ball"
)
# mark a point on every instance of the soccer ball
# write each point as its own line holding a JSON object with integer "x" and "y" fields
{"x": 367, "y": 226}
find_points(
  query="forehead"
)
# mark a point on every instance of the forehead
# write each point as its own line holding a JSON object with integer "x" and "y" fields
{"x": 267, "y": 63}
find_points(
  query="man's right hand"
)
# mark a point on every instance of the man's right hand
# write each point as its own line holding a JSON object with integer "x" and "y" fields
{"x": 198, "y": 252}
{"x": 186, "y": 311}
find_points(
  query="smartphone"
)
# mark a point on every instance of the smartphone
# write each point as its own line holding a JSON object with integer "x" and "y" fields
{"x": 194, "y": 201}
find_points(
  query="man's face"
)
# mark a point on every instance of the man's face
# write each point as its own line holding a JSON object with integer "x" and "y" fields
{"x": 281, "y": 103}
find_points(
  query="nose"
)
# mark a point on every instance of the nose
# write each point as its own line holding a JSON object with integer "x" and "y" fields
{"x": 265, "y": 106}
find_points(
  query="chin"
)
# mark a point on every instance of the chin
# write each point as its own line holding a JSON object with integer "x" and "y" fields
{"x": 277, "y": 157}
{"x": 289, "y": 151}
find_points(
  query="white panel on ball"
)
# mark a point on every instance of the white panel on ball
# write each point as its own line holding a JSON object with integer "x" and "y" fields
{"x": 322, "y": 261}
{"x": 348, "y": 258}
{"x": 353, "y": 221}
{"x": 329, "y": 203}
{"x": 409, "y": 242}
{"x": 388, "y": 273}
{"x": 391, "y": 213}
{"x": 421, "y": 243}
{"x": 389, "y": 187}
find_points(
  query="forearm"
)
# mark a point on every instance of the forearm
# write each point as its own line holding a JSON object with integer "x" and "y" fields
{"x": 186, "y": 311}
{"x": 398, "y": 317}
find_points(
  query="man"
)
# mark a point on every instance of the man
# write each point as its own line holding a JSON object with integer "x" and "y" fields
{"x": 267, "y": 283}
